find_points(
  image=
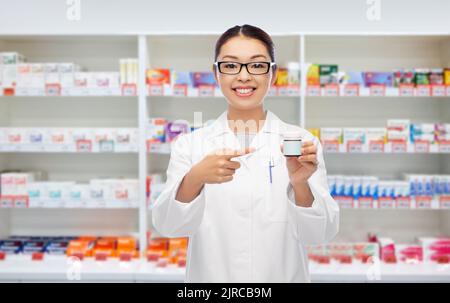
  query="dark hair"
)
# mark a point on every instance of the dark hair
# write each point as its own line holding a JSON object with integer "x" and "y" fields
{"x": 248, "y": 31}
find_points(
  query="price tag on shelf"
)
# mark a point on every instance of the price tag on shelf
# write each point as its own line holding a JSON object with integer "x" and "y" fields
{"x": 365, "y": 203}
{"x": 398, "y": 147}
{"x": 293, "y": 90}
{"x": 377, "y": 90}
{"x": 37, "y": 256}
{"x": 444, "y": 147}
{"x": 84, "y": 146}
{"x": 180, "y": 90}
{"x": 386, "y": 203}
{"x": 206, "y": 90}
{"x": 376, "y": 146}
{"x": 351, "y": 90}
{"x": 406, "y": 90}
{"x": 129, "y": 90}
{"x": 345, "y": 202}
{"x": 331, "y": 90}
{"x": 125, "y": 257}
{"x": 21, "y": 202}
{"x": 424, "y": 202}
{"x": 438, "y": 90}
{"x": 313, "y": 91}
{"x": 421, "y": 146}
{"x": 354, "y": 146}
{"x": 331, "y": 146}
{"x": 156, "y": 90}
{"x": 53, "y": 89}
{"x": 403, "y": 202}
{"x": 106, "y": 146}
{"x": 282, "y": 91}
{"x": 444, "y": 202}
{"x": 101, "y": 256}
{"x": 6, "y": 202}
{"x": 423, "y": 90}
{"x": 272, "y": 91}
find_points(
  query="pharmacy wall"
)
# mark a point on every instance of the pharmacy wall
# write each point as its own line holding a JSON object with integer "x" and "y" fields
{"x": 88, "y": 115}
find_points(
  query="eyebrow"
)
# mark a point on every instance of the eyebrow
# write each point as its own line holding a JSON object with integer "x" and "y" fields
{"x": 236, "y": 58}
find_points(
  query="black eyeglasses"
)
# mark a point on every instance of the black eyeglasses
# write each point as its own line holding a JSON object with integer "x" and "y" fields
{"x": 253, "y": 68}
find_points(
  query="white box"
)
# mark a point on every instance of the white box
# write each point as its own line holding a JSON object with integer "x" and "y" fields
{"x": 79, "y": 195}
{"x": 16, "y": 136}
{"x": 59, "y": 136}
{"x": 9, "y": 75}
{"x": 66, "y": 74}
{"x": 24, "y": 75}
{"x": 104, "y": 139}
{"x": 375, "y": 134}
{"x": 51, "y": 71}
{"x": 354, "y": 134}
{"x": 81, "y": 79}
{"x": 398, "y": 125}
{"x": 126, "y": 139}
{"x": 9, "y": 58}
{"x": 38, "y": 75}
{"x": 331, "y": 134}
{"x": 59, "y": 191}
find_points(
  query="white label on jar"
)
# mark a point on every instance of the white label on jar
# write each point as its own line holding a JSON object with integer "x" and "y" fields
{"x": 292, "y": 147}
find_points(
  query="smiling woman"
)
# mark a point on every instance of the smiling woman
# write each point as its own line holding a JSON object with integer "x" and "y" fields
{"x": 248, "y": 210}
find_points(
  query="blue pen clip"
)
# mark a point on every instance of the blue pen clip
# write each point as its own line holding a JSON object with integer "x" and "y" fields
{"x": 270, "y": 169}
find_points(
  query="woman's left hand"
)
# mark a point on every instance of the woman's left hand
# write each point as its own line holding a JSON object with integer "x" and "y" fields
{"x": 301, "y": 168}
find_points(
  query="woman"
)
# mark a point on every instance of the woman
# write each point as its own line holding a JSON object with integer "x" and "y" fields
{"x": 248, "y": 210}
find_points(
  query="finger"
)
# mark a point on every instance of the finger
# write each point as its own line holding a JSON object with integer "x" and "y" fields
{"x": 307, "y": 143}
{"x": 232, "y": 165}
{"x": 309, "y": 166}
{"x": 308, "y": 158}
{"x": 309, "y": 150}
{"x": 224, "y": 179}
{"x": 225, "y": 172}
{"x": 239, "y": 153}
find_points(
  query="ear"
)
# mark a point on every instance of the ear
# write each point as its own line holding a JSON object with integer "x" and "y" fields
{"x": 215, "y": 73}
{"x": 274, "y": 75}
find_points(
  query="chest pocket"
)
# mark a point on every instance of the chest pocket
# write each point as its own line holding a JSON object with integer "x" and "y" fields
{"x": 272, "y": 179}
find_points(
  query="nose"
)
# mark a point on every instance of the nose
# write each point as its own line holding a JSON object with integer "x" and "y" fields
{"x": 244, "y": 76}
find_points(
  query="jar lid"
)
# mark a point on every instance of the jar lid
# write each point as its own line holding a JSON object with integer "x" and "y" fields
{"x": 292, "y": 136}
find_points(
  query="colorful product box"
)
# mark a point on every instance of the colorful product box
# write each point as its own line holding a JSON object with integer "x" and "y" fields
{"x": 354, "y": 135}
{"x": 331, "y": 134}
{"x": 447, "y": 76}
{"x": 409, "y": 253}
{"x": 158, "y": 76}
{"x": 11, "y": 58}
{"x": 176, "y": 128}
{"x": 378, "y": 78}
{"x": 156, "y": 130}
{"x": 436, "y": 250}
{"x": 203, "y": 79}
{"x": 403, "y": 77}
{"x": 182, "y": 78}
{"x": 313, "y": 76}
{"x": 422, "y": 76}
{"x": 328, "y": 74}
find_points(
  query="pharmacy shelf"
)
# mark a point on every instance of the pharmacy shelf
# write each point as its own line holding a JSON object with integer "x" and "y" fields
{"x": 186, "y": 51}
{"x": 62, "y": 269}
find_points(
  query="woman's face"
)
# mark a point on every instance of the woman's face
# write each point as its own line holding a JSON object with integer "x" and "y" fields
{"x": 244, "y": 91}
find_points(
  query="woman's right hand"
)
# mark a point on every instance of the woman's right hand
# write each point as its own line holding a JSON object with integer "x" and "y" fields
{"x": 217, "y": 167}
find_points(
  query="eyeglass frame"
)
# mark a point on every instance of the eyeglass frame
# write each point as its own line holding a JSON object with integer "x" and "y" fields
{"x": 271, "y": 65}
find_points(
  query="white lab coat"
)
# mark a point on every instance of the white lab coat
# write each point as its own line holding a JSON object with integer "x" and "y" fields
{"x": 249, "y": 229}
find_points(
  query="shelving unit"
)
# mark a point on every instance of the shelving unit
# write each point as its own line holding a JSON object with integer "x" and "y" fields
{"x": 194, "y": 52}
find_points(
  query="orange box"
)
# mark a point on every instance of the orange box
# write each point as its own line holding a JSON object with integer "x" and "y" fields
{"x": 80, "y": 248}
{"x": 159, "y": 244}
{"x": 127, "y": 245}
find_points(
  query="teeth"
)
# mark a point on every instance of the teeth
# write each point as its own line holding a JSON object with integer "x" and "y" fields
{"x": 244, "y": 91}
